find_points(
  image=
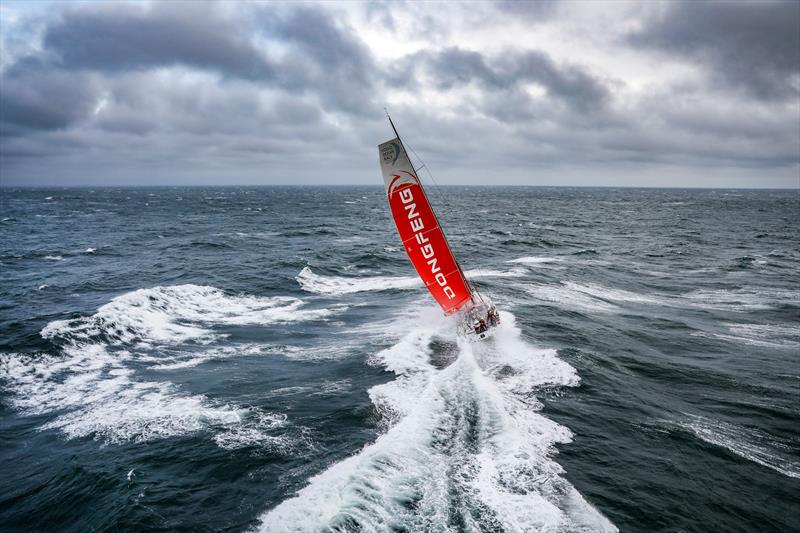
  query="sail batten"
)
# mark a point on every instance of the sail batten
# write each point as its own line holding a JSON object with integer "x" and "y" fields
{"x": 419, "y": 229}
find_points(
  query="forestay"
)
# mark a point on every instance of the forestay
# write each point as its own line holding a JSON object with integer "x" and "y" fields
{"x": 419, "y": 229}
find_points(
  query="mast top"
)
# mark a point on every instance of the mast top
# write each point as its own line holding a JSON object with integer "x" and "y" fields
{"x": 392, "y": 123}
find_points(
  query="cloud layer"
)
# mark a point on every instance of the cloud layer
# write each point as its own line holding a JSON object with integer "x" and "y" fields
{"x": 521, "y": 93}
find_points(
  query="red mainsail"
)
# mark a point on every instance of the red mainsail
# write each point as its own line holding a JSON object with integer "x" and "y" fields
{"x": 419, "y": 229}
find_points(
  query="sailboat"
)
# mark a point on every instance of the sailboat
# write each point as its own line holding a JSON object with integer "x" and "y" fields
{"x": 427, "y": 246}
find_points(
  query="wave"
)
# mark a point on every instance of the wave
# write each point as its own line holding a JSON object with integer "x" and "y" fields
{"x": 92, "y": 393}
{"x": 606, "y": 293}
{"x": 177, "y": 314}
{"x": 744, "y": 299}
{"x": 465, "y": 447}
{"x": 91, "y": 389}
{"x": 570, "y": 297}
{"x": 763, "y": 335}
{"x": 532, "y": 260}
{"x": 593, "y": 297}
{"x": 750, "y": 444}
{"x": 337, "y": 285}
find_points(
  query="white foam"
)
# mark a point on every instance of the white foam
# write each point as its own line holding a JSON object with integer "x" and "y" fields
{"x": 178, "y": 314}
{"x": 489, "y": 273}
{"x": 571, "y": 298}
{"x": 461, "y": 441}
{"x": 93, "y": 394}
{"x": 266, "y": 431}
{"x": 338, "y": 285}
{"x": 535, "y": 260}
{"x": 742, "y": 300}
{"x": 763, "y": 335}
{"x": 750, "y": 444}
{"x": 606, "y": 293}
{"x": 521, "y": 368}
{"x": 90, "y": 250}
{"x": 54, "y": 258}
{"x": 91, "y": 388}
{"x": 188, "y": 359}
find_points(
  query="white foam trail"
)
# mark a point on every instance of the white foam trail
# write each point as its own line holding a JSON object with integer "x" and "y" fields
{"x": 534, "y": 260}
{"x": 463, "y": 442}
{"x": 617, "y": 295}
{"x": 91, "y": 388}
{"x": 54, "y": 258}
{"x": 564, "y": 295}
{"x": 742, "y": 300}
{"x": 763, "y": 335}
{"x": 191, "y": 359}
{"x": 488, "y": 273}
{"x": 338, "y": 285}
{"x": 749, "y": 444}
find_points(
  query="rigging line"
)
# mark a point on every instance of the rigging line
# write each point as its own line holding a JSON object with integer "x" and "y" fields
{"x": 441, "y": 198}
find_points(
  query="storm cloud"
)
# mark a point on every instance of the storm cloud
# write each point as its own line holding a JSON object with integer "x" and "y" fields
{"x": 125, "y": 36}
{"x": 752, "y": 45}
{"x": 544, "y": 93}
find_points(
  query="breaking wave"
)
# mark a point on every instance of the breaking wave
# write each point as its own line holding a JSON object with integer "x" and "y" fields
{"x": 763, "y": 335}
{"x": 338, "y": 285}
{"x": 533, "y": 260}
{"x": 91, "y": 389}
{"x": 750, "y": 444}
{"x": 464, "y": 446}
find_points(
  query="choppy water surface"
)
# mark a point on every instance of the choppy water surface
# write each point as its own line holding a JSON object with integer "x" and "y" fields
{"x": 263, "y": 359}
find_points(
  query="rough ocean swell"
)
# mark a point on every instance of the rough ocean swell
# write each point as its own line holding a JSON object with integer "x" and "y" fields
{"x": 263, "y": 359}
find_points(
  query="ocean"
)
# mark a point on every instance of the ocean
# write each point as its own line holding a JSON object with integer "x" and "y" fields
{"x": 265, "y": 359}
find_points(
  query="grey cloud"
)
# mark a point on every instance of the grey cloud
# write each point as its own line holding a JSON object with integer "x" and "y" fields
{"x": 530, "y": 9}
{"x": 749, "y": 45}
{"x": 52, "y": 90}
{"x": 453, "y": 67}
{"x": 570, "y": 83}
{"x": 284, "y": 93}
{"x": 44, "y": 100}
{"x": 130, "y": 37}
{"x": 328, "y": 58}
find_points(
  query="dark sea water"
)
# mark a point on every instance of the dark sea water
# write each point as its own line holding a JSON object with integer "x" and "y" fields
{"x": 235, "y": 359}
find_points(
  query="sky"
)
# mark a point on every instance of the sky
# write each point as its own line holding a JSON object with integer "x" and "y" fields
{"x": 593, "y": 93}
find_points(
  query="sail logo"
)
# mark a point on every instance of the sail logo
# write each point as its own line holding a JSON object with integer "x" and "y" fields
{"x": 398, "y": 180}
{"x": 390, "y": 152}
{"x": 426, "y": 247}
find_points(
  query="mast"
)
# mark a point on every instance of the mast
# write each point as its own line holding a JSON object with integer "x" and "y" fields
{"x": 472, "y": 290}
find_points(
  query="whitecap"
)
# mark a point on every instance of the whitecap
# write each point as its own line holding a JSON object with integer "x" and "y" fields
{"x": 763, "y": 335}
{"x": 91, "y": 389}
{"x": 750, "y": 444}
{"x": 181, "y": 313}
{"x": 535, "y": 260}
{"x": 569, "y": 297}
{"x": 337, "y": 285}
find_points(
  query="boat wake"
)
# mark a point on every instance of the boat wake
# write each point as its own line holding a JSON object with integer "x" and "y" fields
{"x": 464, "y": 450}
